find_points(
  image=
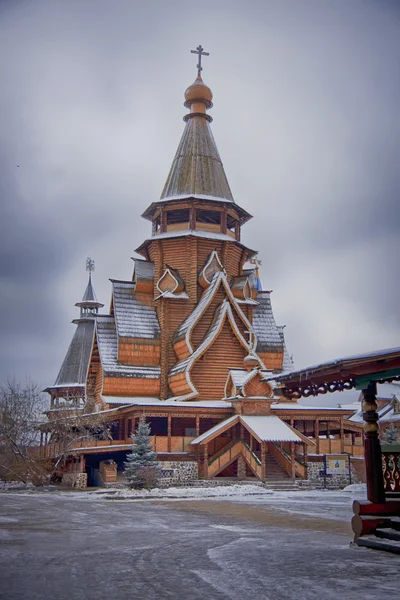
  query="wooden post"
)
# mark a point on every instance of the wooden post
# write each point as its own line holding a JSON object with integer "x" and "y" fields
{"x": 305, "y": 450}
{"x": 163, "y": 221}
{"x": 263, "y": 461}
{"x": 205, "y": 465}
{"x": 237, "y": 231}
{"x": 292, "y": 459}
{"x": 341, "y": 435}
{"x": 223, "y": 221}
{"x": 372, "y": 446}
{"x": 169, "y": 419}
{"x": 316, "y": 433}
{"x": 328, "y": 437}
{"x": 197, "y": 425}
{"x": 192, "y": 218}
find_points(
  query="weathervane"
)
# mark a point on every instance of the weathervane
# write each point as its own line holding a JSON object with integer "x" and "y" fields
{"x": 256, "y": 261}
{"x": 89, "y": 265}
{"x": 200, "y": 53}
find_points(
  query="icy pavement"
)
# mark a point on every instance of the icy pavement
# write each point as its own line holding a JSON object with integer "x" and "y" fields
{"x": 72, "y": 546}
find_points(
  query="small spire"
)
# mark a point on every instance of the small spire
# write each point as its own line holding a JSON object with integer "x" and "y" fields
{"x": 89, "y": 301}
{"x": 90, "y": 265}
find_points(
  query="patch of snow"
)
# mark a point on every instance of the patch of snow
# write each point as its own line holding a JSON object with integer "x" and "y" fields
{"x": 356, "y": 488}
{"x": 183, "y": 492}
{"x": 15, "y": 485}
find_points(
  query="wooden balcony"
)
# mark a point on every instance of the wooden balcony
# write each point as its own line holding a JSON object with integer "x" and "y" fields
{"x": 334, "y": 446}
{"x": 161, "y": 444}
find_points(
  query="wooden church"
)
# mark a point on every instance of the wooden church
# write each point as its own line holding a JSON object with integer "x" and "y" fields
{"x": 191, "y": 342}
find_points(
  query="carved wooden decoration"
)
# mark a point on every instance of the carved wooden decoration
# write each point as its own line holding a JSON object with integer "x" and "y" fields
{"x": 170, "y": 282}
{"x": 212, "y": 266}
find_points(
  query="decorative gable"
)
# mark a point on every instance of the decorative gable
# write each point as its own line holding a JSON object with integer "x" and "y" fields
{"x": 212, "y": 266}
{"x": 247, "y": 384}
{"x": 170, "y": 284}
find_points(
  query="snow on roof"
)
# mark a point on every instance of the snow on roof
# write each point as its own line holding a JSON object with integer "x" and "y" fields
{"x": 202, "y": 304}
{"x": 238, "y": 376}
{"x": 215, "y": 429}
{"x": 270, "y": 429}
{"x": 295, "y": 406}
{"x": 379, "y": 354}
{"x": 266, "y": 428}
{"x": 74, "y": 368}
{"x": 268, "y": 336}
{"x": 108, "y": 348}
{"x": 134, "y": 318}
{"x": 287, "y": 364}
{"x": 157, "y": 402}
{"x": 196, "y": 233}
{"x": 386, "y": 414}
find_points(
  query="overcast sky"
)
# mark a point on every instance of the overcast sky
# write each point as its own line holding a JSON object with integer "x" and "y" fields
{"x": 306, "y": 119}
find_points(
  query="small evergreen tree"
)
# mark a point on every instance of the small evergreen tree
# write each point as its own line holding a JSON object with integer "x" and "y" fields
{"x": 141, "y": 466}
{"x": 391, "y": 435}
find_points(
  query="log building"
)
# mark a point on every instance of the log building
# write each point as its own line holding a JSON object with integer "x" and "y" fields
{"x": 191, "y": 342}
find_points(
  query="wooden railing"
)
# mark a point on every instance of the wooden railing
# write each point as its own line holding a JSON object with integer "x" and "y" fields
{"x": 229, "y": 453}
{"x": 253, "y": 460}
{"x": 391, "y": 467}
{"x": 286, "y": 462}
{"x": 224, "y": 457}
{"x": 328, "y": 446}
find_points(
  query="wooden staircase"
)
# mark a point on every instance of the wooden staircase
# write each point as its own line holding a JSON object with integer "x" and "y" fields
{"x": 222, "y": 459}
{"x": 277, "y": 478}
{"x": 275, "y": 472}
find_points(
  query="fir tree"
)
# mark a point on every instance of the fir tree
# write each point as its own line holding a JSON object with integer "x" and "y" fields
{"x": 391, "y": 435}
{"x": 141, "y": 466}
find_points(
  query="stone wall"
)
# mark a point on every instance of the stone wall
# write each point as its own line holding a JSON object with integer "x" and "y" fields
{"x": 315, "y": 474}
{"x": 76, "y": 480}
{"x": 178, "y": 472}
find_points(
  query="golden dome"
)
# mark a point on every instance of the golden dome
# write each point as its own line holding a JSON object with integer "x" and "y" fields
{"x": 199, "y": 92}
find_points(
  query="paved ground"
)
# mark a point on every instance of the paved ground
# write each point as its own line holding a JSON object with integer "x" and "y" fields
{"x": 281, "y": 547}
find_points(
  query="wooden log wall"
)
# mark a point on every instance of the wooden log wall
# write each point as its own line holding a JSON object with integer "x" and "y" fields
{"x": 209, "y": 374}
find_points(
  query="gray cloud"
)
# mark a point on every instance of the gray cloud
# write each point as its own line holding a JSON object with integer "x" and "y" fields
{"x": 306, "y": 120}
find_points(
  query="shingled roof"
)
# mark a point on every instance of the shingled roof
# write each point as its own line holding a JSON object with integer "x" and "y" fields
{"x": 75, "y": 365}
{"x": 197, "y": 167}
{"x": 134, "y": 317}
{"x": 287, "y": 364}
{"x": 107, "y": 341}
{"x": 268, "y": 336}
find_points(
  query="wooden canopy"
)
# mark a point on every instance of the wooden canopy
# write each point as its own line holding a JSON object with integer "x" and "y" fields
{"x": 341, "y": 374}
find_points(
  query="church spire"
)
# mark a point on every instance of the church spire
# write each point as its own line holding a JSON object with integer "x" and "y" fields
{"x": 197, "y": 168}
{"x": 89, "y": 304}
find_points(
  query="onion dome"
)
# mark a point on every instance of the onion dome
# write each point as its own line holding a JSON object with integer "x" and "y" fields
{"x": 198, "y": 92}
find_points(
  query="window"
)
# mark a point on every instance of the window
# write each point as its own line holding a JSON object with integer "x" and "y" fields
{"x": 231, "y": 223}
{"x": 208, "y": 216}
{"x": 178, "y": 216}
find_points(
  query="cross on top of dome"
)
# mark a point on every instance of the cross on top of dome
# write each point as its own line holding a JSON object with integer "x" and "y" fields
{"x": 200, "y": 53}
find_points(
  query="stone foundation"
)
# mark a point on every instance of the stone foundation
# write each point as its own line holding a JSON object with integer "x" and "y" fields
{"x": 76, "y": 480}
{"x": 316, "y": 477}
{"x": 178, "y": 472}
